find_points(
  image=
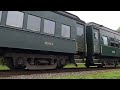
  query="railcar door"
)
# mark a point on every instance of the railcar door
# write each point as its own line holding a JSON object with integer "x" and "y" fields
{"x": 80, "y": 37}
{"x": 96, "y": 38}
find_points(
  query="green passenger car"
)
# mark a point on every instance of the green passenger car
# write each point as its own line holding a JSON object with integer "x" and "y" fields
{"x": 102, "y": 44}
{"x": 33, "y": 39}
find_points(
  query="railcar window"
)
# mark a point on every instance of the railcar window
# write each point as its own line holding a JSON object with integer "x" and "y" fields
{"x": 0, "y": 15}
{"x": 49, "y": 26}
{"x": 66, "y": 31}
{"x": 96, "y": 35}
{"x": 80, "y": 30}
{"x": 33, "y": 23}
{"x": 117, "y": 45}
{"x": 15, "y": 18}
{"x": 105, "y": 40}
{"x": 112, "y": 42}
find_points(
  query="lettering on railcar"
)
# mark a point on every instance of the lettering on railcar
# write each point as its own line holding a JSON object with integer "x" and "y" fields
{"x": 49, "y": 43}
{"x": 113, "y": 51}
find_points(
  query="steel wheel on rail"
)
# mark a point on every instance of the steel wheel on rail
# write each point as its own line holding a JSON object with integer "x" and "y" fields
{"x": 20, "y": 63}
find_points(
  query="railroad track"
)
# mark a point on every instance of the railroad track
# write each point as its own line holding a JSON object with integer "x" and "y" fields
{"x": 8, "y": 73}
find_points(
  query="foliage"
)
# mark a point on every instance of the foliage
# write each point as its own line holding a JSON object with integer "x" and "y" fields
{"x": 2, "y": 61}
{"x": 4, "y": 67}
{"x": 118, "y": 30}
{"x": 3, "y": 64}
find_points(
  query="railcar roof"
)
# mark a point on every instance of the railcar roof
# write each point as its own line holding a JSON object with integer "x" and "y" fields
{"x": 103, "y": 27}
{"x": 67, "y": 14}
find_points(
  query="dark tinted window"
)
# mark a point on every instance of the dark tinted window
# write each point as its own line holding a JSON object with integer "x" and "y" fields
{"x": 112, "y": 42}
{"x": 117, "y": 43}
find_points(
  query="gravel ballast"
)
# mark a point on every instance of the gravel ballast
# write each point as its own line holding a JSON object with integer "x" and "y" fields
{"x": 51, "y": 75}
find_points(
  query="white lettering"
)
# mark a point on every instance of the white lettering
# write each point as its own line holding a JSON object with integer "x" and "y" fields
{"x": 113, "y": 51}
{"x": 49, "y": 43}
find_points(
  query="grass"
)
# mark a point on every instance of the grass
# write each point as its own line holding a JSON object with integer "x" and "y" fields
{"x": 113, "y": 74}
{"x": 4, "y": 67}
{"x": 80, "y": 65}
{"x": 106, "y": 75}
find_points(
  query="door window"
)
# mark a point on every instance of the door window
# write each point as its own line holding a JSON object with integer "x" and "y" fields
{"x": 105, "y": 40}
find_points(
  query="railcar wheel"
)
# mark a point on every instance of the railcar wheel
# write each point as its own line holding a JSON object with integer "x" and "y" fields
{"x": 111, "y": 64}
{"x": 61, "y": 64}
{"x": 100, "y": 66}
{"x": 87, "y": 66}
{"x": 20, "y": 63}
{"x": 115, "y": 64}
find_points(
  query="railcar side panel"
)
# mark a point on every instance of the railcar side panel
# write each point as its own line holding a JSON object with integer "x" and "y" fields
{"x": 24, "y": 38}
{"x": 14, "y": 38}
{"x": 108, "y": 51}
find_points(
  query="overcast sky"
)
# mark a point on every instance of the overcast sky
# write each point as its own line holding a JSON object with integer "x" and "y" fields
{"x": 110, "y": 19}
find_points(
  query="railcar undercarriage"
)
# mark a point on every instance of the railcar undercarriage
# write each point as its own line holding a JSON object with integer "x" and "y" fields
{"x": 102, "y": 62}
{"x": 22, "y": 61}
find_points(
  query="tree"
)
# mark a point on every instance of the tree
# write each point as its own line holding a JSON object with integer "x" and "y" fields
{"x": 118, "y": 30}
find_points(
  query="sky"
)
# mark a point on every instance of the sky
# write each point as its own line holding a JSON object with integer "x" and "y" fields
{"x": 110, "y": 19}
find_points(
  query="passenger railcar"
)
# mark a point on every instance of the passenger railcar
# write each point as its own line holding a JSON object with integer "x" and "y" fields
{"x": 51, "y": 39}
{"x": 103, "y": 44}
{"x": 41, "y": 39}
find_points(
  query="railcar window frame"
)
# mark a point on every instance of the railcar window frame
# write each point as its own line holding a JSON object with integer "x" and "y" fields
{"x": 104, "y": 41}
{"x": 12, "y": 23}
{"x": 64, "y": 36}
{"x": 31, "y": 29}
{"x": 0, "y": 16}
{"x": 49, "y": 33}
